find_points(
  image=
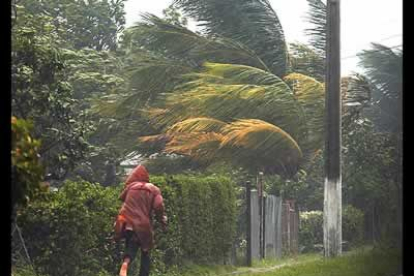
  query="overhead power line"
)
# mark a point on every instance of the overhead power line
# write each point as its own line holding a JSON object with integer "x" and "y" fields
{"x": 392, "y": 36}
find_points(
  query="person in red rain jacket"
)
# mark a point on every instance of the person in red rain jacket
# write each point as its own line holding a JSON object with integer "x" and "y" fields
{"x": 140, "y": 199}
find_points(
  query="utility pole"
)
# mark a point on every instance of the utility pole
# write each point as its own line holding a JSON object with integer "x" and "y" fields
{"x": 332, "y": 215}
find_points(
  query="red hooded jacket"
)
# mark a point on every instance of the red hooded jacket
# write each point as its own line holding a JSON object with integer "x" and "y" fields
{"x": 140, "y": 199}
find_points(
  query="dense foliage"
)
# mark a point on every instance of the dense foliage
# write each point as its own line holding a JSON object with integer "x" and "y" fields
{"x": 69, "y": 233}
{"x": 27, "y": 170}
{"x": 41, "y": 93}
{"x": 202, "y": 212}
{"x": 90, "y": 24}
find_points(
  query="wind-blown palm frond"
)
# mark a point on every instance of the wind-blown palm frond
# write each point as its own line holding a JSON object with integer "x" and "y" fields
{"x": 241, "y": 74}
{"x": 198, "y": 138}
{"x": 317, "y": 17}
{"x": 241, "y": 103}
{"x": 356, "y": 95}
{"x": 153, "y": 143}
{"x": 356, "y": 91}
{"x": 160, "y": 52}
{"x": 307, "y": 61}
{"x": 178, "y": 43}
{"x": 261, "y": 143}
{"x": 250, "y": 22}
{"x": 203, "y": 124}
{"x": 249, "y": 133}
{"x": 239, "y": 142}
{"x": 201, "y": 146}
{"x": 151, "y": 76}
{"x": 383, "y": 68}
{"x": 311, "y": 95}
{"x": 223, "y": 92}
{"x": 227, "y": 74}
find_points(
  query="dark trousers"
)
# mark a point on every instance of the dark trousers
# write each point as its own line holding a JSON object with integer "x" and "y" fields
{"x": 131, "y": 249}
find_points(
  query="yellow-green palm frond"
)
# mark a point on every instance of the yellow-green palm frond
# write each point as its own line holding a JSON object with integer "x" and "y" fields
{"x": 225, "y": 92}
{"x": 197, "y": 145}
{"x": 227, "y": 102}
{"x": 158, "y": 138}
{"x": 220, "y": 73}
{"x": 153, "y": 143}
{"x": 162, "y": 118}
{"x": 208, "y": 139}
{"x": 251, "y": 143}
{"x": 201, "y": 124}
{"x": 198, "y": 138}
{"x": 262, "y": 144}
{"x": 306, "y": 89}
{"x": 310, "y": 93}
{"x": 241, "y": 74}
{"x": 259, "y": 135}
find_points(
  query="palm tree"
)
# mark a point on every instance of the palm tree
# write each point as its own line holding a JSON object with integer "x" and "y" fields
{"x": 238, "y": 113}
{"x": 228, "y": 91}
{"x": 383, "y": 67}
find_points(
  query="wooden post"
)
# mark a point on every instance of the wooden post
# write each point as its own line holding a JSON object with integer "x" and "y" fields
{"x": 261, "y": 213}
{"x": 264, "y": 228}
{"x": 333, "y": 194}
{"x": 249, "y": 230}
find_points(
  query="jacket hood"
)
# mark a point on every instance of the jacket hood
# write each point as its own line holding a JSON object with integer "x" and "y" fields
{"x": 139, "y": 174}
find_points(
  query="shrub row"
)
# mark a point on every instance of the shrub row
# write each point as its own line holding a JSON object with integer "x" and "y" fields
{"x": 70, "y": 232}
{"x": 202, "y": 212}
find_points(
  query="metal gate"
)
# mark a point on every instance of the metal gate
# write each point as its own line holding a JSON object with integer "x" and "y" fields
{"x": 273, "y": 225}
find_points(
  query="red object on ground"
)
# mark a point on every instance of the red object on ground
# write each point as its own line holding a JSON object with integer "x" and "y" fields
{"x": 140, "y": 198}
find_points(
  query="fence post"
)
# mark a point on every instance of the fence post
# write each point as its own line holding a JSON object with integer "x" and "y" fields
{"x": 249, "y": 230}
{"x": 261, "y": 213}
{"x": 264, "y": 228}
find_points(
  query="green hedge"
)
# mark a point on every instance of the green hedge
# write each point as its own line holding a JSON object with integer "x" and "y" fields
{"x": 311, "y": 228}
{"x": 69, "y": 233}
{"x": 202, "y": 218}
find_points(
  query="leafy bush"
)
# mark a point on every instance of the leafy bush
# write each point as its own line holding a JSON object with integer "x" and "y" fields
{"x": 311, "y": 228}
{"x": 352, "y": 225}
{"x": 26, "y": 168}
{"x": 202, "y": 215}
{"x": 69, "y": 233}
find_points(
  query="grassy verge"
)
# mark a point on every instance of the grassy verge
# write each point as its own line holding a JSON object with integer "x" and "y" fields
{"x": 358, "y": 263}
{"x": 364, "y": 261}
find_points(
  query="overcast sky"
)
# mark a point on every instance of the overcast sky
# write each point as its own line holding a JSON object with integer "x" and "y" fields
{"x": 363, "y": 22}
